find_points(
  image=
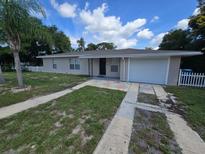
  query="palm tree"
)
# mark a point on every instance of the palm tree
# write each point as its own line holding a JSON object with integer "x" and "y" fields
{"x": 14, "y": 19}
{"x": 81, "y": 44}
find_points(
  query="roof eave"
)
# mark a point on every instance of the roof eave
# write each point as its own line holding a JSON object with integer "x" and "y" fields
{"x": 182, "y": 54}
{"x": 144, "y": 55}
{"x": 58, "y": 56}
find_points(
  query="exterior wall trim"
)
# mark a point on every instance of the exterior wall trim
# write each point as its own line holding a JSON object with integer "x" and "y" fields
{"x": 128, "y": 71}
{"x": 167, "y": 73}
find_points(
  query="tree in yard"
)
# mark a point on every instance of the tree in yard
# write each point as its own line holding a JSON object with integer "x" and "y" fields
{"x": 192, "y": 39}
{"x": 176, "y": 40}
{"x": 201, "y": 3}
{"x": 197, "y": 25}
{"x": 91, "y": 47}
{"x": 106, "y": 46}
{"x": 148, "y": 48}
{"x": 15, "y": 19}
{"x": 100, "y": 46}
{"x": 39, "y": 43}
{"x": 81, "y": 44}
{"x": 61, "y": 41}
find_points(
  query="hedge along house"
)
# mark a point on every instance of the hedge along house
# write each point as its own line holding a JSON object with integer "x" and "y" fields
{"x": 133, "y": 65}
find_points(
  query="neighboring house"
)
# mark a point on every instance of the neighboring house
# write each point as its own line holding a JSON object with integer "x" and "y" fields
{"x": 149, "y": 66}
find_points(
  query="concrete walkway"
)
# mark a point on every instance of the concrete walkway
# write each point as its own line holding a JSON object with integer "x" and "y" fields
{"x": 15, "y": 108}
{"x": 19, "y": 107}
{"x": 110, "y": 84}
{"x": 160, "y": 92}
{"x": 117, "y": 136}
{"x": 189, "y": 141}
{"x": 146, "y": 88}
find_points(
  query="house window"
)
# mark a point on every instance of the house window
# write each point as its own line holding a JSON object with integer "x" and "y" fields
{"x": 74, "y": 64}
{"x": 114, "y": 68}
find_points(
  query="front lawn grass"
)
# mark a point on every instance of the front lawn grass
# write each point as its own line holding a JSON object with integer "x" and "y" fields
{"x": 71, "y": 124}
{"x": 193, "y": 100}
{"x": 151, "y": 134}
{"x": 41, "y": 84}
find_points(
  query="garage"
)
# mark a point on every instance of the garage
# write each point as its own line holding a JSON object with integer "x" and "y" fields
{"x": 148, "y": 70}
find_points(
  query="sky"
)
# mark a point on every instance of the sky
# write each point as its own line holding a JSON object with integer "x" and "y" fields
{"x": 126, "y": 23}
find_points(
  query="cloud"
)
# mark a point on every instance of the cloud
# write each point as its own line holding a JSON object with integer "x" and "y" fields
{"x": 196, "y": 12}
{"x": 155, "y": 42}
{"x": 73, "y": 41}
{"x": 182, "y": 24}
{"x": 66, "y": 9}
{"x": 40, "y": 15}
{"x": 110, "y": 28}
{"x": 145, "y": 34}
{"x": 155, "y": 18}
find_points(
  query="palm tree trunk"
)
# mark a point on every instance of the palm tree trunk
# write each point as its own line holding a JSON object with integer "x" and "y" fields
{"x": 2, "y": 80}
{"x": 19, "y": 74}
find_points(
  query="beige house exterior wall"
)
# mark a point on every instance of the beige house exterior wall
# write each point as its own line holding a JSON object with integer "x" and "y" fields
{"x": 91, "y": 67}
{"x": 174, "y": 67}
{"x": 109, "y": 63}
{"x": 124, "y": 69}
{"x": 95, "y": 67}
{"x": 63, "y": 66}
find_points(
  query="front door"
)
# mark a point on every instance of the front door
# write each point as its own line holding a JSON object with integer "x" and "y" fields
{"x": 102, "y": 66}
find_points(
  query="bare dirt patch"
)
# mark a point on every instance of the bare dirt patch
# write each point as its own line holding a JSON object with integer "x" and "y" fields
{"x": 148, "y": 98}
{"x": 151, "y": 134}
{"x": 105, "y": 122}
{"x": 17, "y": 90}
{"x": 174, "y": 106}
{"x": 71, "y": 116}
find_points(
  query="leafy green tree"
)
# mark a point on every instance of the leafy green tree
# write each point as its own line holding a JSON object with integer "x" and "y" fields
{"x": 81, "y": 44}
{"x": 6, "y": 58}
{"x": 14, "y": 20}
{"x": 61, "y": 41}
{"x": 91, "y": 47}
{"x": 197, "y": 25}
{"x": 176, "y": 40}
{"x": 201, "y": 3}
{"x": 3, "y": 56}
{"x": 149, "y": 48}
{"x": 100, "y": 46}
{"x": 2, "y": 80}
{"x": 106, "y": 46}
{"x": 34, "y": 45}
{"x": 193, "y": 39}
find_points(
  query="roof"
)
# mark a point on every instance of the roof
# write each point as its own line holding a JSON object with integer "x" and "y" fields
{"x": 123, "y": 53}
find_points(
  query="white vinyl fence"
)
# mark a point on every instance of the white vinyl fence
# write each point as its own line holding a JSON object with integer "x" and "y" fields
{"x": 35, "y": 68}
{"x": 191, "y": 79}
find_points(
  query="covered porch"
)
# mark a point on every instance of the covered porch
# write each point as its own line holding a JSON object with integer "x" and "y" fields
{"x": 105, "y": 67}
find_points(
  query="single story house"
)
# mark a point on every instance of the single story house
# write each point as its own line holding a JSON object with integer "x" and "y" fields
{"x": 149, "y": 66}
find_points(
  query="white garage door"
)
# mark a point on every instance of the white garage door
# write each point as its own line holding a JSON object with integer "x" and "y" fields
{"x": 148, "y": 70}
